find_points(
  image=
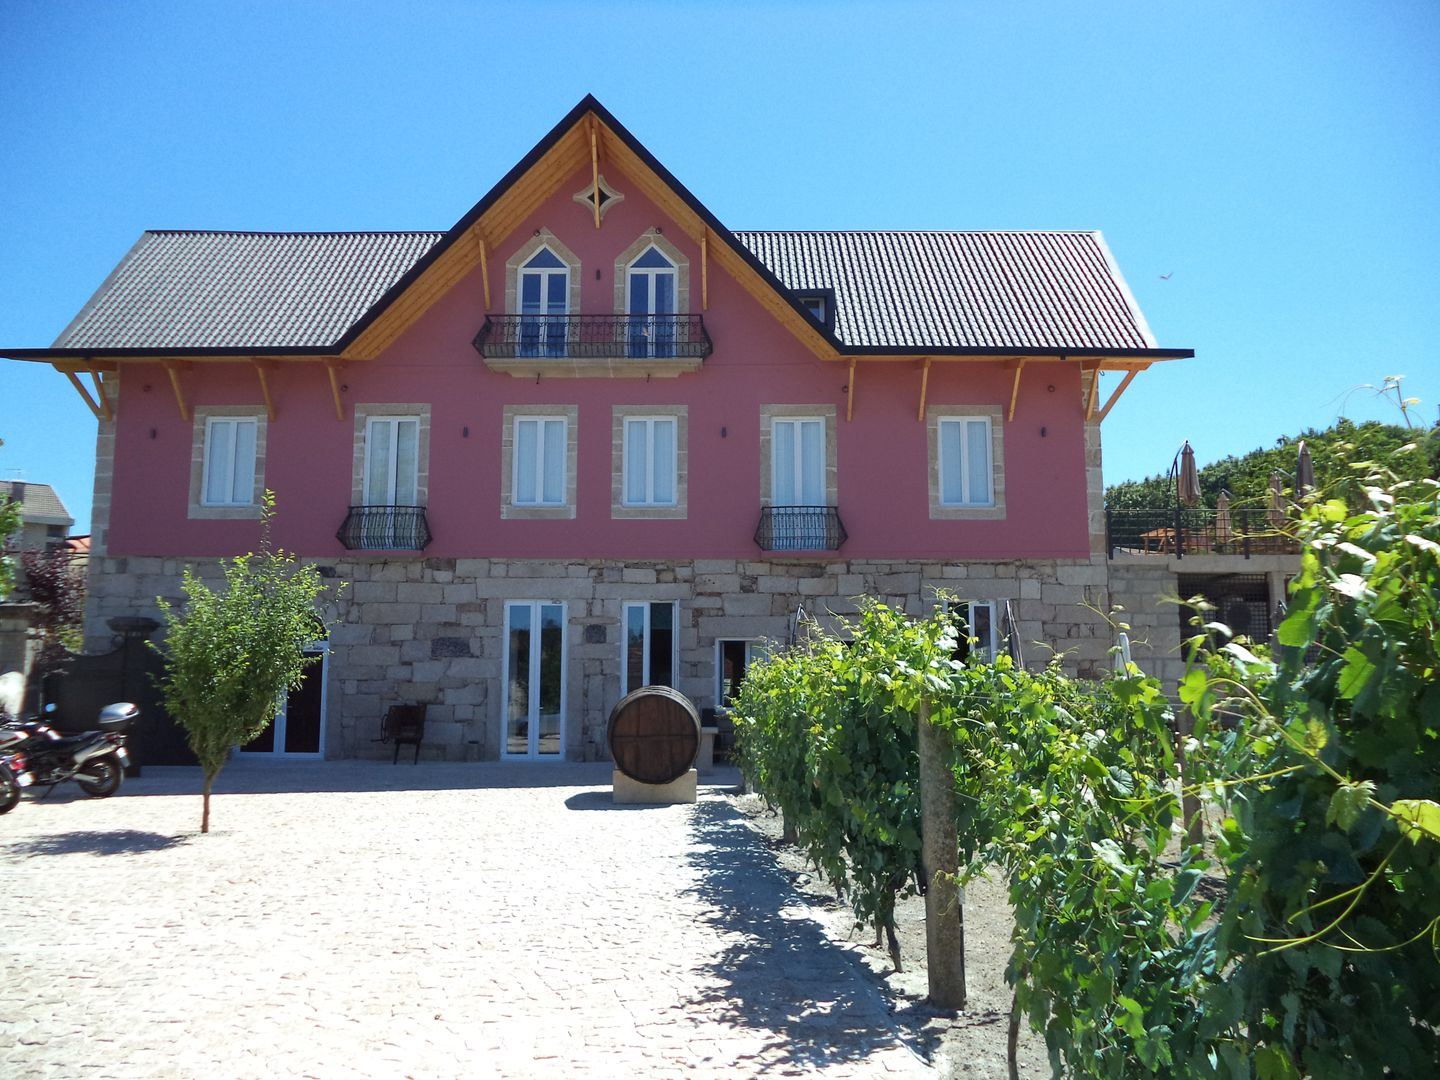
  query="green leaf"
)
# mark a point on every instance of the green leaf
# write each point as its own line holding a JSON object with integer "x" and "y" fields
{"x": 1418, "y": 818}
{"x": 1316, "y": 736}
{"x": 1355, "y": 674}
{"x": 1349, "y": 802}
{"x": 1131, "y": 1020}
{"x": 1273, "y": 1063}
{"x": 1185, "y": 883}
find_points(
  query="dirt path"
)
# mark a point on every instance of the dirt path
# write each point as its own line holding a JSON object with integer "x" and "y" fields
{"x": 969, "y": 1045}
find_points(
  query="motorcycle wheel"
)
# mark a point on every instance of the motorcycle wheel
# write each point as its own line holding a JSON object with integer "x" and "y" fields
{"x": 9, "y": 790}
{"x": 105, "y": 773}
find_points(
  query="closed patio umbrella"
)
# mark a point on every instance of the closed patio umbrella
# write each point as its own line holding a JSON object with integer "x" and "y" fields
{"x": 1222, "y": 520}
{"x": 1304, "y": 471}
{"x": 1189, "y": 482}
{"x": 1276, "y": 511}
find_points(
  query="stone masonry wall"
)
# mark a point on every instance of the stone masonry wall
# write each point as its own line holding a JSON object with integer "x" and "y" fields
{"x": 432, "y": 630}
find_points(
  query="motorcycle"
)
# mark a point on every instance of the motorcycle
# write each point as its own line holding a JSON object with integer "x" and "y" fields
{"x": 95, "y": 760}
{"x": 14, "y": 777}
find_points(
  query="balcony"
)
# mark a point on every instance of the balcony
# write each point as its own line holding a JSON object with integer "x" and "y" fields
{"x": 800, "y": 528}
{"x": 1195, "y": 531}
{"x": 385, "y": 528}
{"x": 593, "y": 346}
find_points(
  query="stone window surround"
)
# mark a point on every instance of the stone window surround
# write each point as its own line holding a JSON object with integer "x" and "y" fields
{"x": 363, "y": 413}
{"x": 940, "y": 512}
{"x": 199, "y": 425}
{"x": 619, "y": 414}
{"x": 652, "y": 237}
{"x": 769, "y": 413}
{"x": 508, "y": 510}
{"x": 543, "y": 238}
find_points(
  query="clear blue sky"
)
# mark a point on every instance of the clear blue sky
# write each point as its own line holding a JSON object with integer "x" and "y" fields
{"x": 1267, "y": 174}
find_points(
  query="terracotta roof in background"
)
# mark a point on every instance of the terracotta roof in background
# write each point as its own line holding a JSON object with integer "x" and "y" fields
{"x": 78, "y": 545}
{"x": 1042, "y": 291}
{"x": 962, "y": 290}
{"x": 39, "y": 504}
{"x": 203, "y": 290}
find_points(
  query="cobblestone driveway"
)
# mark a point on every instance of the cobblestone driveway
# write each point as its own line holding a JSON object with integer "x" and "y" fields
{"x": 357, "y": 919}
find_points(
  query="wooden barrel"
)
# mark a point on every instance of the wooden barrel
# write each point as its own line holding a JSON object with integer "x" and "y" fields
{"x": 654, "y": 734}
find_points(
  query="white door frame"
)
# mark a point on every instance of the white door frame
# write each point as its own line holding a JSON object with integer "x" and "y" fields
{"x": 313, "y": 648}
{"x": 533, "y": 706}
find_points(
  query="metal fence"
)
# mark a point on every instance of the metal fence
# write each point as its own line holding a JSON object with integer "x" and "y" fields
{"x": 580, "y": 337}
{"x": 1195, "y": 531}
{"x": 800, "y": 528}
{"x": 385, "y": 528}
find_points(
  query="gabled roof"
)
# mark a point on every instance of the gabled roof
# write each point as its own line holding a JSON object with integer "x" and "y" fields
{"x": 349, "y": 294}
{"x": 932, "y": 291}
{"x": 39, "y": 505}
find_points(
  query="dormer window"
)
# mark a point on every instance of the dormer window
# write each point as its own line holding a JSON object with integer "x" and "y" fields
{"x": 820, "y": 303}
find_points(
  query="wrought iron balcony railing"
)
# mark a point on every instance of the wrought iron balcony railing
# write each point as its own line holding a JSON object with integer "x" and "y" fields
{"x": 593, "y": 337}
{"x": 385, "y": 528}
{"x": 800, "y": 528}
{"x": 1196, "y": 531}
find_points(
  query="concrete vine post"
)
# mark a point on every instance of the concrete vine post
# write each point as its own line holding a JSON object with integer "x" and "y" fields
{"x": 940, "y": 854}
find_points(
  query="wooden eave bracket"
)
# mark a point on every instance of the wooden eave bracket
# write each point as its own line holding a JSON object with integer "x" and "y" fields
{"x": 1115, "y": 394}
{"x": 263, "y": 369}
{"x": 1094, "y": 368}
{"x": 173, "y": 369}
{"x": 850, "y": 392}
{"x": 1019, "y": 366}
{"x": 595, "y": 167}
{"x": 332, "y": 368}
{"x": 924, "y": 387}
{"x": 71, "y": 370}
{"x": 705, "y": 269}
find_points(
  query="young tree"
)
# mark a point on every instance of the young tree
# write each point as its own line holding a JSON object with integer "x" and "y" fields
{"x": 230, "y": 654}
{"x": 59, "y": 590}
{"x": 9, "y": 523}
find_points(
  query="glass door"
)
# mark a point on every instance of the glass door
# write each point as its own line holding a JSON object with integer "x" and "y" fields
{"x": 534, "y": 707}
{"x": 652, "y": 305}
{"x": 298, "y": 729}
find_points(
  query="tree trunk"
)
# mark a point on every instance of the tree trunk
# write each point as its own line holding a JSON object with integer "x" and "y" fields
{"x": 205, "y": 802}
{"x": 940, "y": 850}
{"x": 1190, "y": 809}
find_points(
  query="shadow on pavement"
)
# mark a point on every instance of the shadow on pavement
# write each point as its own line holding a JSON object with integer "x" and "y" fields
{"x": 248, "y": 776}
{"x": 114, "y": 842}
{"x": 780, "y": 976}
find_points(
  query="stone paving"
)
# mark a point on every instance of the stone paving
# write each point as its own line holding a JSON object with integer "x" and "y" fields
{"x": 356, "y": 919}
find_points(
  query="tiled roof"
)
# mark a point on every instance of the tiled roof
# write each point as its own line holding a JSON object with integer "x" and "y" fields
{"x": 206, "y": 290}
{"x": 962, "y": 290}
{"x": 38, "y": 502}
{"x": 893, "y": 290}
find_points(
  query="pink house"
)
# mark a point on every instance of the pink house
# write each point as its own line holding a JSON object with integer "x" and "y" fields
{"x": 589, "y": 439}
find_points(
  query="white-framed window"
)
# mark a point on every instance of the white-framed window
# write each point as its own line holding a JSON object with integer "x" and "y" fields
{"x": 650, "y": 461}
{"x": 733, "y": 657}
{"x": 966, "y": 468}
{"x": 798, "y": 449}
{"x": 651, "y": 281}
{"x": 392, "y": 461}
{"x": 544, "y": 298}
{"x": 650, "y": 645}
{"x": 977, "y": 629}
{"x": 230, "y": 443}
{"x": 540, "y": 453}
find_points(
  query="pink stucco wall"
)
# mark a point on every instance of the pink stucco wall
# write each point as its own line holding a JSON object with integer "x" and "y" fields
{"x": 881, "y": 453}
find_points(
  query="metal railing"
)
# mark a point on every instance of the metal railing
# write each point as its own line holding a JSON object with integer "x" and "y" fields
{"x": 385, "y": 528}
{"x": 1195, "y": 531}
{"x": 800, "y": 528}
{"x": 595, "y": 337}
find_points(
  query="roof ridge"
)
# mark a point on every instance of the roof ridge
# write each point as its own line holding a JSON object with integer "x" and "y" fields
{"x": 300, "y": 232}
{"x": 923, "y": 232}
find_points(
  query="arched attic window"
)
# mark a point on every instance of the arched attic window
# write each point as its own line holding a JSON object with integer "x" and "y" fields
{"x": 652, "y": 293}
{"x": 544, "y": 303}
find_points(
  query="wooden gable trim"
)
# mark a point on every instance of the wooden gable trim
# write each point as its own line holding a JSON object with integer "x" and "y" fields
{"x": 587, "y": 142}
